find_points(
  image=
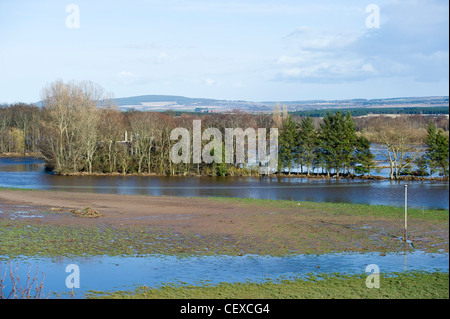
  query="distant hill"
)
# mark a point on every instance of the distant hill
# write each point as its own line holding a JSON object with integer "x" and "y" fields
{"x": 181, "y": 100}
{"x": 188, "y": 104}
{"x": 182, "y": 103}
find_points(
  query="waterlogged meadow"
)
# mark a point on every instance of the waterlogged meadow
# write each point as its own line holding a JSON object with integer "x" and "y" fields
{"x": 295, "y": 228}
{"x": 229, "y": 254}
{"x": 232, "y": 195}
{"x": 413, "y": 285}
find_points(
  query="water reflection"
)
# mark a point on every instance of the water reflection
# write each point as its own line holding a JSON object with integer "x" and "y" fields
{"x": 29, "y": 173}
{"x": 123, "y": 273}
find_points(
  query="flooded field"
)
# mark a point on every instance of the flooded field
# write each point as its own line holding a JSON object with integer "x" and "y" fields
{"x": 206, "y": 230}
{"x": 30, "y": 173}
{"x": 103, "y": 273}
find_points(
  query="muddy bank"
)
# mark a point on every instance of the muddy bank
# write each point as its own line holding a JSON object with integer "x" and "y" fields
{"x": 30, "y": 155}
{"x": 209, "y": 225}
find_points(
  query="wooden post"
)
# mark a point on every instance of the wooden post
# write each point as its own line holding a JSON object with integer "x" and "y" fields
{"x": 406, "y": 213}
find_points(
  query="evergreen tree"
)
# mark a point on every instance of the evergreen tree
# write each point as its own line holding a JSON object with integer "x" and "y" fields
{"x": 431, "y": 136}
{"x": 437, "y": 150}
{"x": 308, "y": 142}
{"x": 288, "y": 144}
{"x": 332, "y": 141}
{"x": 364, "y": 157}
{"x": 350, "y": 142}
{"x": 441, "y": 154}
{"x": 422, "y": 166}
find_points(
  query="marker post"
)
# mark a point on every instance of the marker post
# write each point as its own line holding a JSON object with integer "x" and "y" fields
{"x": 406, "y": 213}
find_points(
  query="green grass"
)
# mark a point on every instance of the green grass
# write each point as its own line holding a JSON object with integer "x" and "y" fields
{"x": 15, "y": 189}
{"x": 410, "y": 285}
{"x": 341, "y": 209}
{"x": 18, "y": 238}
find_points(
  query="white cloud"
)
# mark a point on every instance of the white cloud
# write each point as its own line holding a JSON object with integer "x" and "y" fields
{"x": 267, "y": 7}
{"x": 287, "y": 60}
{"x": 308, "y": 38}
{"x": 210, "y": 82}
{"x": 368, "y": 67}
{"x": 327, "y": 71}
{"x": 412, "y": 42}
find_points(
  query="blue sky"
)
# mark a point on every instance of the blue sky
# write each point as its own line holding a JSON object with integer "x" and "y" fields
{"x": 238, "y": 50}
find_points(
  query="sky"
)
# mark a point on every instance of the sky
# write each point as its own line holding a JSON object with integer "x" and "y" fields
{"x": 265, "y": 50}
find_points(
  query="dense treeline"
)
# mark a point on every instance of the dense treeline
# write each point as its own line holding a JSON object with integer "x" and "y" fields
{"x": 20, "y": 128}
{"x": 434, "y": 110}
{"x": 334, "y": 147}
{"x": 79, "y": 130}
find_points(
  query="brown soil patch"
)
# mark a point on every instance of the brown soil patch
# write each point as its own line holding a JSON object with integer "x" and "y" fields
{"x": 125, "y": 210}
{"x": 248, "y": 227}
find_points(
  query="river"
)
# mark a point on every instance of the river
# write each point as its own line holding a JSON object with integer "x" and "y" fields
{"x": 29, "y": 173}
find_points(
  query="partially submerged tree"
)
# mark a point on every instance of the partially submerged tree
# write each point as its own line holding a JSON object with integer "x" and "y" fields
{"x": 288, "y": 144}
{"x": 364, "y": 157}
{"x": 398, "y": 147}
{"x": 337, "y": 142}
{"x": 437, "y": 150}
{"x": 72, "y": 114}
{"x": 308, "y": 142}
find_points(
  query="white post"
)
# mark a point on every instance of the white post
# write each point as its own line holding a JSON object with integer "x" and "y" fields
{"x": 406, "y": 212}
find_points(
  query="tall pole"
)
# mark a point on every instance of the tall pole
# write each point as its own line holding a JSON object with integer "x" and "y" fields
{"x": 406, "y": 212}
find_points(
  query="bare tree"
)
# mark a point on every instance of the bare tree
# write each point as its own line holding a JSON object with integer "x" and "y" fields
{"x": 111, "y": 128}
{"x": 72, "y": 116}
{"x": 143, "y": 127}
{"x": 277, "y": 119}
{"x": 397, "y": 145}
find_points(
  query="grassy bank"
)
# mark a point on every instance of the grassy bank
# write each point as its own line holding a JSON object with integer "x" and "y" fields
{"x": 342, "y": 209}
{"x": 410, "y": 285}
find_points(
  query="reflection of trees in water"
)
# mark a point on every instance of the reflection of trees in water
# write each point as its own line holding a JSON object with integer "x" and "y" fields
{"x": 424, "y": 193}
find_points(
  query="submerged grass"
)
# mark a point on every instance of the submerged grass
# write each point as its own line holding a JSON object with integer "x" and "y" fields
{"x": 409, "y": 285}
{"x": 306, "y": 227}
{"x": 20, "y": 239}
{"x": 275, "y": 227}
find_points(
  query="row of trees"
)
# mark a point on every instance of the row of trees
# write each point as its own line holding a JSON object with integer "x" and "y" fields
{"x": 334, "y": 145}
{"x": 78, "y": 129}
{"x": 404, "y": 145}
{"x": 356, "y": 111}
{"x": 436, "y": 155}
{"x": 20, "y": 128}
{"x": 334, "y": 148}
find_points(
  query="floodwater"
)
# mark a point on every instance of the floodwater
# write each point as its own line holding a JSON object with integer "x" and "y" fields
{"x": 103, "y": 273}
{"x": 30, "y": 173}
{"x": 107, "y": 273}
